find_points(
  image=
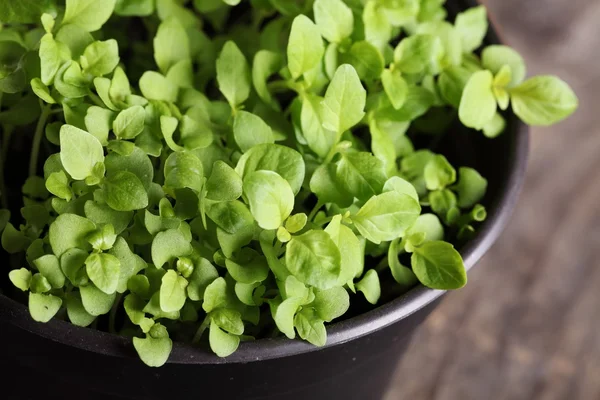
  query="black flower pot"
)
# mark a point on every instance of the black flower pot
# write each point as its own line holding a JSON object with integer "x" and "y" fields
{"x": 61, "y": 360}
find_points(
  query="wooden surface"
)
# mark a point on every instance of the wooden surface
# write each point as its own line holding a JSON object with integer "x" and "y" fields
{"x": 527, "y": 326}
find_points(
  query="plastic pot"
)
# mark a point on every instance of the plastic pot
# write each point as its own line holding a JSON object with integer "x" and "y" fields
{"x": 59, "y": 359}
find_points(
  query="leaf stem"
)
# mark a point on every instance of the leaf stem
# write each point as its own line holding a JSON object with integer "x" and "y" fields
{"x": 113, "y": 314}
{"x": 5, "y": 139}
{"x": 37, "y": 140}
{"x": 315, "y": 210}
{"x": 201, "y": 329}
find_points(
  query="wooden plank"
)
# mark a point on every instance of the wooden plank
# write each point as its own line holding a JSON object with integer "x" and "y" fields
{"x": 527, "y": 325}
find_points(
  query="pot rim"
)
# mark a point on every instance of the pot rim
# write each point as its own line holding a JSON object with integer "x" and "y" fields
{"x": 337, "y": 333}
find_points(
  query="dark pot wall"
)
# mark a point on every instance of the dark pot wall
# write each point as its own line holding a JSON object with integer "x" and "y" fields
{"x": 359, "y": 369}
{"x": 61, "y": 359}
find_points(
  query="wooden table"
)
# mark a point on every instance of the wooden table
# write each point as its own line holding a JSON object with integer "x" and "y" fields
{"x": 527, "y": 326}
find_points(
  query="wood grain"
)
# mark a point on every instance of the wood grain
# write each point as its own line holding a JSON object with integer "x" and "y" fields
{"x": 527, "y": 326}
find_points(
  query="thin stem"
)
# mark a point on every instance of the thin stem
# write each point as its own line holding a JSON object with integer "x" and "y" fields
{"x": 201, "y": 329}
{"x": 324, "y": 221}
{"x": 315, "y": 210}
{"x": 383, "y": 264}
{"x": 96, "y": 99}
{"x": 3, "y": 198}
{"x": 37, "y": 140}
{"x": 113, "y": 314}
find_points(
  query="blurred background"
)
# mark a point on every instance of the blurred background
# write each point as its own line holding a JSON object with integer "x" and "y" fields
{"x": 527, "y": 326}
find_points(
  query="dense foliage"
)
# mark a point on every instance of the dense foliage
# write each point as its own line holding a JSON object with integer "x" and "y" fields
{"x": 223, "y": 168}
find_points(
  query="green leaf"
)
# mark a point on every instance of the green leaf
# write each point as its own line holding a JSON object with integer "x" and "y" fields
{"x": 314, "y": 259}
{"x": 39, "y": 284}
{"x": 153, "y": 352}
{"x": 204, "y": 274}
{"x": 222, "y": 343}
{"x": 125, "y": 192}
{"x": 43, "y": 307}
{"x": 395, "y": 87}
{"x": 319, "y": 139}
{"x": 334, "y": 19}
{"x": 471, "y": 187}
{"x": 120, "y": 88}
{"x": 215, "y": 295}
{"x": 397, "y": 184}
{"x": 233, "y": 75}
{"x": 369, "y": 286}
{"x": 104, "y": 270}
{"x": 75, "y": 38}
{"x": 283, "y": 314}
{"x": 155, "y": 86}
{"x": 231, "y": 216}
{"x": 331, "y": 304}
{"x": 25, "y": 11}
{"x": 361, "y": 174}
{"x": 296, "y": 223}
{"x": 49, "y": 267}
{"x": 378, "y": 30}
{"x": 103, "y": 239}
{"x": 224, "y": 184}
{"x": 452, "y": 82}
{"x": 228, "y": 320}
{"x": 402, "y": 275}
{"x": 68, "y": 231}
{"x": 429, "y": 225}
{"x": 285, "y": 161}
{"x": 72, "y": 264}
{"x": 351, "y": 250}
{"x": 101, "y": 214}
{"x": 478, "y": 104}
{"x": 76, "y": 312}
{"x": 140, "y": 8}
{"x": 137, "y": 163}
{"x": 168, "y": 245}
{"x": 250, "y": 130}
{"x": 495, "y": 57}
{"x": 328, "y": 188}
{"x": 42, "y": 91}
{"x": 88, "y": 14}
{"x": 95, "y": 301}
{"x": 543, "y": 100}
{"x": 265, "y": 64}
{"x": 495, "y": 127}
{"x": 387, "y": 216}
{"x": 439, "y": 266}
{"x": 367, "y": 60}
{"x": 13, "y": 240}
{"x": 171, "y": 44}
{"x": 184, "y": 169}
{"x": 21, "y": 278}
{"x": 79, "y": 151}
{"x": 344, "y": 102}
{"x": 451, "y": 40}
{"x": 310, "y": 327}
{"x": 100, "y": 58}
{"x": 305, "y": 46}
{"x": 131, "y": 263}
{"x": 439, "y": 173}
{"x": 472, "y": 26}
{"x": 98, "y": 122}
{"x": 129, "y": 123}
{"x": 419, "y": 54}
{"x": 50, "y": 58}
{"x": 172, "y": 292}
{"x": 270, "y": 197}
{"x": 250, "y": 268}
